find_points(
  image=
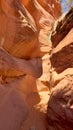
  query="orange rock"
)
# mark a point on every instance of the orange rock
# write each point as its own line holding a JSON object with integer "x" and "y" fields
{"x": 60, "y": 107}
{"x": 24, "y": 34}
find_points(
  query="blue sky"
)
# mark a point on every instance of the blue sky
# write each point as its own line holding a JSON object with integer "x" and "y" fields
{"x": 65, "y": 7}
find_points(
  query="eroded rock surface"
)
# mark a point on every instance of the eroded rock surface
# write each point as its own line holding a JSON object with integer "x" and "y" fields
{"x": 24, "y": 56}
{"x": 60, "y": 106}
{"x": 60, "y": 109}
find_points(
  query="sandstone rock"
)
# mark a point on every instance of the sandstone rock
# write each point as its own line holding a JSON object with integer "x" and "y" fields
{"x": 62, "y": 29}
{"x": 11, "y": 66}
{"x": 60, "y": 105}
{"x": 62, "y": 55}
{"x": 49, "y": 5}
{"x": 18, "y": 30}
{"x": 60, "y": 109}
{"x": 13, "y": 108}
{"x": 24, "y": 34}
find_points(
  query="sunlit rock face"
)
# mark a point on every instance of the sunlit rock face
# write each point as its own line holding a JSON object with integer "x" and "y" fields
{"x": 60, "y": 105}
{"x": 24, "y": 30}
{"x": 46, "y": 4}
{"x": 43, "y": 7}
{"x": 24, "y": 56}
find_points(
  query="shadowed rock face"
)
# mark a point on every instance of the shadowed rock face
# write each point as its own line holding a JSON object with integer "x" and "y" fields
{"x": 63, "y": 58}
{"x": 13, "y": 108}
{"x": 60, "y": 105}
{"x": 63, "y": 28}
{"x": 20, "y": 31}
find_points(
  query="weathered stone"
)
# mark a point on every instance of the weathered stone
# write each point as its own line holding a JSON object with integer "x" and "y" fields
{"x": 62, "y": 28}
{"x": 24, "y": 39}
{"x": 63, "y": 58}
{"x": 60, "y": 105}
{"x": 13, "y": 108}
{"x": 18, "y": 31}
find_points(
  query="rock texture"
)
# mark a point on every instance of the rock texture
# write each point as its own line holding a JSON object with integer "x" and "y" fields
{"x": 60, "y": 108}
{"x": 60, "y": 105}
{"x": 18, "y": 29}
{"x": 13, "y": 108}
{"x": 25, "y": 46}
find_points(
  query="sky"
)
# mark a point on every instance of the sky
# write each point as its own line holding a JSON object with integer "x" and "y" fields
{"x": 65, "y": 6}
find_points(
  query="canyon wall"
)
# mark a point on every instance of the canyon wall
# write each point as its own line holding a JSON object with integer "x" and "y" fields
{"x": 60, "y": 105}
{"x": 25, "y": 64}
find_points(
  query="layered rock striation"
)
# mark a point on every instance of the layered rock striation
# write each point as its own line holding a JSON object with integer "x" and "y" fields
{"x": 25, "y": 48}
{"x": 60, "y": 105}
